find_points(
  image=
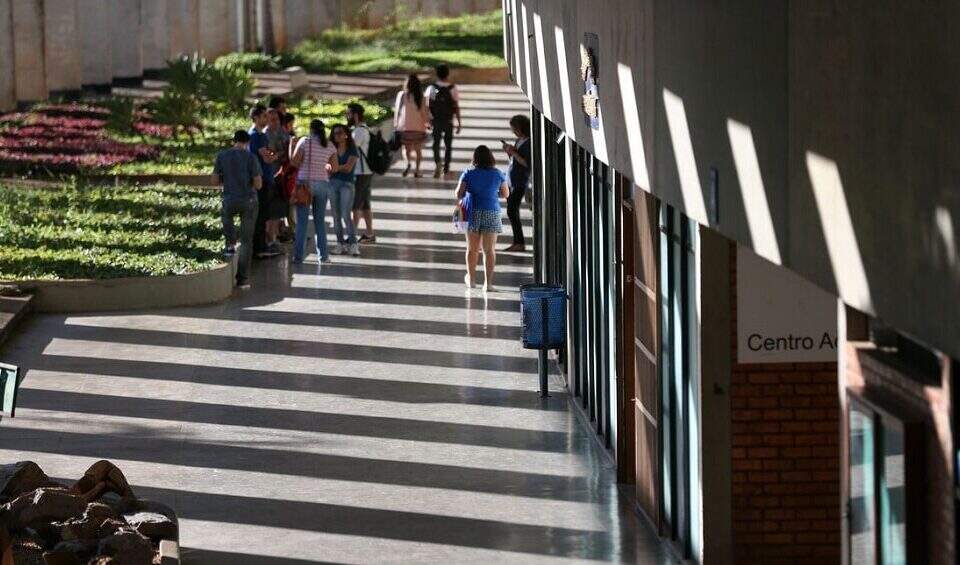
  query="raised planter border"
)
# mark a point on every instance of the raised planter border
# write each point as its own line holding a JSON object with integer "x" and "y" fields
{"x": 131, "y": 293}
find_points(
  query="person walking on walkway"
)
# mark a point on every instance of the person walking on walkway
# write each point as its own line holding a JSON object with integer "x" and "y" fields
{"x": 444, "y": 102}
{"x": 486, "y": 185}
{"x": 260, "y": 147}
{"x": 362, "y": 172}
{"x": 313, "y": 156}
{"x": 278, "y": 141}
{"x": 518, "y": 172}
{"x": 342, "y": 190}
{"x": 238, "y": 171}
{"x": 411, "y": 118}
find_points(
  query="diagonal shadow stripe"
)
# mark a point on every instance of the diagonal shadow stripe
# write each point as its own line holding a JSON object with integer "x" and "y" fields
{"x": 425, "y": 273}
{"x": 348, "y": 387}
{"x": 283, "y": 462}
{"x": 320, "y": 350}
{"x": 394, "y": 298}
{"x": 396, "y": 525}
{"x": 293, "y": 420}
{"x": 427, "y": 327}
{"x": 191, "y": 555}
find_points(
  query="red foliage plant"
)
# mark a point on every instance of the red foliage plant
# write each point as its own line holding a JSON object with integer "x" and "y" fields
{"x": 67, "y": 138}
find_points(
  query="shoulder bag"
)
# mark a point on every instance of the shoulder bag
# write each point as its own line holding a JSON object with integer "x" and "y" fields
{"x": 302, "y": 195}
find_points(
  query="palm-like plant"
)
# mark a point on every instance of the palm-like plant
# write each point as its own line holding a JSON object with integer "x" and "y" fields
{"x": 187, "y": 73}
{"x": 229, "y": 86}
{"x": 178, "y": 110}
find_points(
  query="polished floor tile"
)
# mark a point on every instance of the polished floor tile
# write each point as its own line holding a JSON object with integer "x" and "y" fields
{"x": 372, "y": 410}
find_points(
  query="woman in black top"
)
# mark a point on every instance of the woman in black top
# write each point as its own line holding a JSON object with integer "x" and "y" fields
{"x": 519, "y": 174}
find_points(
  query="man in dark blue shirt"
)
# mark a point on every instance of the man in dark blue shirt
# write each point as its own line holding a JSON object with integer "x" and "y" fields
{"x": 518, "y": 172}
{"x": 260, "y": 147}
{"x": 239, "y": 173}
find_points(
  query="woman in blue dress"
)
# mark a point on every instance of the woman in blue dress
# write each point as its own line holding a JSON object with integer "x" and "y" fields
{"x": 486, "y": 185}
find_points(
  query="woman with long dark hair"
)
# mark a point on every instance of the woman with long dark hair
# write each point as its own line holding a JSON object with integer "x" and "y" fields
{"x": 342, "y": 190}
{"x": 486, "y": 185}
{"x": 411, "y": 118}
{"x": 313, "y": 156}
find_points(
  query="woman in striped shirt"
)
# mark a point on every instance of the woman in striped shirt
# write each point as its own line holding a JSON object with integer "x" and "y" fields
{"x": 315, "y": 156}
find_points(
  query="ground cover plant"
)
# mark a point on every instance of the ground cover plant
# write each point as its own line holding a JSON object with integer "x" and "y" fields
{"x": 65, "y": 138}
{"x": 74, "y": 231}
{"x": 472, "y": 40}
{"x": 118, "y": 136}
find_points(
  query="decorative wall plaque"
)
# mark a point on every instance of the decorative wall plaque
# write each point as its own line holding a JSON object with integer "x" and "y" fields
{"x": 589, "y": 74}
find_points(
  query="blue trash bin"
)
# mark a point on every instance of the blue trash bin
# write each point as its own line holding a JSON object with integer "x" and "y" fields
{"x": 543, "y": 311}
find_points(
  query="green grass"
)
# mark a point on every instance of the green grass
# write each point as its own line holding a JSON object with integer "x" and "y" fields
{"x": 474, "y": 41}
{"x": 183, "y": 157}
{"x": 75, "y": 232}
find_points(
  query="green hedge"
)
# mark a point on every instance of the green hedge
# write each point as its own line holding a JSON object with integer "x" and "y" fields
{"x": 72, "y": 231}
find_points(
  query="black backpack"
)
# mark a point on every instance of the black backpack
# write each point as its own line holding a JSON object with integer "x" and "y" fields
{"x": 443, "y": 106}
{"x": 379, "y": 157}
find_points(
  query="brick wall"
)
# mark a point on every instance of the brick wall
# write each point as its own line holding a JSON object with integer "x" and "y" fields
{"x": 786, "y": 459}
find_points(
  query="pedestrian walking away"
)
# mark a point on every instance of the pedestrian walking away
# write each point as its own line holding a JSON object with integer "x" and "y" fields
{"x": 342, "y": 189}
{"x": 518, "y": 172}
{"x": 363, "y": 173}
{"x": 314, "y": 156}
{"x": 486, "y": 185}
{"x": 260, "y": 147}
{"x": 443, "y": 99}
{"x": 411, "y": 118}
{"x": 238, "y": 171}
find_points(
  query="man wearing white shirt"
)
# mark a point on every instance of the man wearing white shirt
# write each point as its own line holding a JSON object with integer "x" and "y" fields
{"x": 443, "y": 99}
{"x": 364, "y": 176}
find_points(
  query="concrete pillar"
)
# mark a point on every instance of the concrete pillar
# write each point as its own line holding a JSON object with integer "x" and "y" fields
{"x": 63, "y": 65}
{"x": 28, "y": 50}
{"x": 327, "y": 16}
{"x": 183, "y": 17}
{"x": 155, "y": 33}
{"x": 299, "y": 16}
{"x": 278, "y": 21}
{"x": 8, "y": 77}
{"x": 96, "y": 48}
{"x": 125, "y": 35}
{"x": 218, "y": 26}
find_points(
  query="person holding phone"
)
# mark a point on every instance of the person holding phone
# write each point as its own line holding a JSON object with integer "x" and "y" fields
{"x": 518, "y": 173}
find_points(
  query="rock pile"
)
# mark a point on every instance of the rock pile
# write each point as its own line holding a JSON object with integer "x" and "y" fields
{"x": 96, "y": 521}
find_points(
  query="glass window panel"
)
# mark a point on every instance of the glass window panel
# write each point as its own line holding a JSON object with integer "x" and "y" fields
{"x": 862, "y": 486}
{"x": 893, "y": 510}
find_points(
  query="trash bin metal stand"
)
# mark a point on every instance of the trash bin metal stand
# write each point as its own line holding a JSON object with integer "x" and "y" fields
{"x": 545, "y": 328}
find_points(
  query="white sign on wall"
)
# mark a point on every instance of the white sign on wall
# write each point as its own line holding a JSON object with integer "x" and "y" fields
{"x": 782, "y": 318}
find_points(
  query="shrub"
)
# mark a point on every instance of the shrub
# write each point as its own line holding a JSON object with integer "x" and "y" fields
{"x": 178, "y": 110}
{"x": 256, "y": 62}
{"x": 187, "y": 73}
{"x": 228, "y": 87}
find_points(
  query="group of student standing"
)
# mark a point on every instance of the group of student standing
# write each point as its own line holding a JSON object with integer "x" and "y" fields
{"x": 262, "y": 169}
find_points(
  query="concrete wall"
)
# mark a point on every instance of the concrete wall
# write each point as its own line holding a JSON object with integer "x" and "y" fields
{"x": 96, "y": 47}
{"x": 218, "y": 27}
{"x": 786, "y": 105}
{"x": 28, "y": 50}
{"x": 125, "y": 34}
{"x": 8, "y": 84}
{"x": 154, "y": 33}
{"x": 375, "y": 13}
{"x": 62, "y": 46}
{"x": 183, "y": 17}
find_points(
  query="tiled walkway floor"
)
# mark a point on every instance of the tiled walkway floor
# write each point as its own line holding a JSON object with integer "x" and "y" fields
{"x": 373, "y": 410}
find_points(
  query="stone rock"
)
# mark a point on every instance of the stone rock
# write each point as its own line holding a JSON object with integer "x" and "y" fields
{"x": 100, "y": 511}
{"x": 153, "y": 525}
{"x": 299, "y": 81}
{"x": 128, "y": 548}
{"x": 27, "y": 552}
{"x": 119, "y": 504}
{"x": 81, "y": 552}
{"x": 22, "y": 477}
{"x": 44, "y": 506}
{"x": 109, "y": 527}
{"x": 102, "y": 477}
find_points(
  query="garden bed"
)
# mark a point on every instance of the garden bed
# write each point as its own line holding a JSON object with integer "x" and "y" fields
{"x": 472, "y": 41}
{"x": 52, "y": 140}
{"x": 70, "y": 231}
